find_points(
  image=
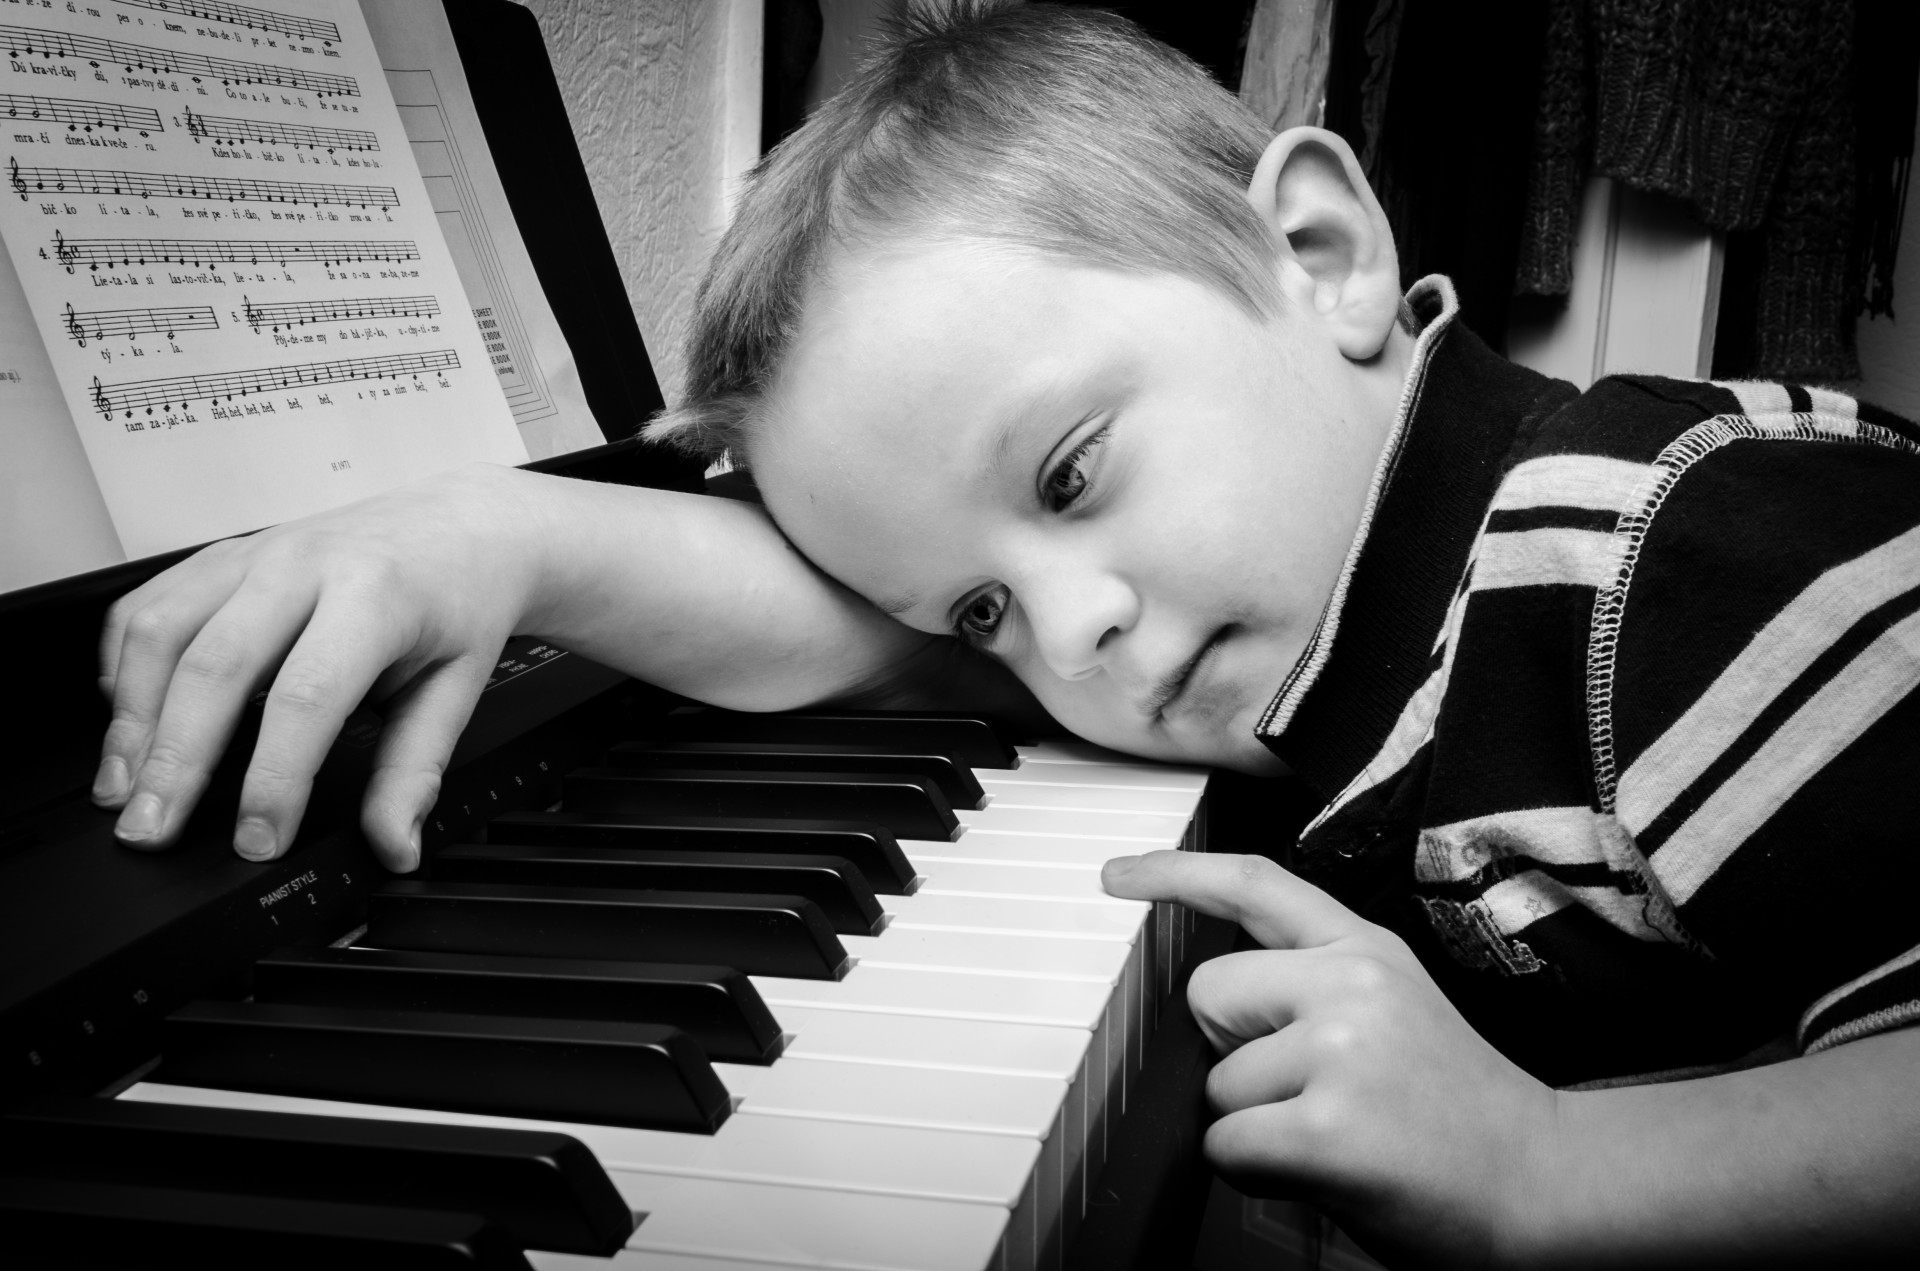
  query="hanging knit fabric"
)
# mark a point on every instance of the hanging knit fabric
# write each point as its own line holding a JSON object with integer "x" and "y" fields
{"x": 1744, "y": 110}
{"x": 1886, "y": 76}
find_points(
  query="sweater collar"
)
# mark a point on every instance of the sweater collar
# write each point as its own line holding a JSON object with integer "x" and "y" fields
{"x": 1461, "y": 411}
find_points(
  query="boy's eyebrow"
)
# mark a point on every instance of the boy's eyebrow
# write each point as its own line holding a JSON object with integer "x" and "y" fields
{"x": 1000, "y": 451}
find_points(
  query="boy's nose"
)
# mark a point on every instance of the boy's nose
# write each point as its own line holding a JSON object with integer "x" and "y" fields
{"x": 1078, "y": 617}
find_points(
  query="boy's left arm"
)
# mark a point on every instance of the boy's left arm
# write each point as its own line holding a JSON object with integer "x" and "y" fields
{"x": 1349, "y": 1080}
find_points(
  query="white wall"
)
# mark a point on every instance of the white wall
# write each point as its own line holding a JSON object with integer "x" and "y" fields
{"x": 665, "y": 101}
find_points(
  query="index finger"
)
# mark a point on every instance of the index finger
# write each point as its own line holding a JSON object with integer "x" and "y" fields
{"x": 325, "y": 676}
{"x": 1277, "y": 908}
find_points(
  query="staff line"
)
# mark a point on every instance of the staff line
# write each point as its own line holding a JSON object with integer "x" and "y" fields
{"x": 167, "y": 185}
{"x": 196, "y": 66}
{"x": 123, "y": 252}
{"x": 183, "y": 390}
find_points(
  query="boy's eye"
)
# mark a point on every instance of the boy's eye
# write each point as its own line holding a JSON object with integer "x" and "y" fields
{"x": 1068, "y": 480}
{"x": 981, "y": 615}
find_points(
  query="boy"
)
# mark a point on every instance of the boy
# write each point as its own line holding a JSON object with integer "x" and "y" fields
{"x": 1035, "y": 345}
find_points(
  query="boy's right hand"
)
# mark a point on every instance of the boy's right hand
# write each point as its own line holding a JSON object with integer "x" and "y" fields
{"x": 408, "y": 595}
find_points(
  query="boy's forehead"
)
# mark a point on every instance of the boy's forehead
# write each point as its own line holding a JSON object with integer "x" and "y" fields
{"x": 905, "y": 326}
{"x": 892, "y": 342}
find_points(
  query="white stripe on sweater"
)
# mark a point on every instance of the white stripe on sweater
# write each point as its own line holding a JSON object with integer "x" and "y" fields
{"x": 1825, "y": 725}
{"x": 1571, "y": 481}
{"x": 1828, "y": 402}
{"x": 1758, "y": 398}
{"x": 1530, "y": 558}
{"x": 1804, "y": 629}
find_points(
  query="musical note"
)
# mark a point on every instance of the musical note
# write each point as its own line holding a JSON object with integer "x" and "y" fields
{"x": 196, "y": 66}
{"x": 98, "y": 324}
{"x": 113, "y": 253}
{"x": 183, "y": 390}
{"x": 81, "y": 115}
{"x": 241, "y": 131}
{"x": 165, "y": 185}
{"x": 241, "y": 15}
{"x": 298, "y": 313}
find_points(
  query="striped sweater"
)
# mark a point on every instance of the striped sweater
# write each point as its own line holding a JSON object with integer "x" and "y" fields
{"x": 1614, "y": 709}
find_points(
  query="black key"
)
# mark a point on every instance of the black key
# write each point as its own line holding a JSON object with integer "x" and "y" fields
{"x": 596, "y": 1071}
{"x": 830, "y": 882}
{"x": 955, "y": 780}
{"x": 542, "y": 1188}
{"x": 68, "y": 1224}
{"x": 968, "y": 741}
{"x": 760, "y": 935}
{"x": 912, "y": 807}
{"x": 716, "y": 1006}
{"x": 872, "y": 848}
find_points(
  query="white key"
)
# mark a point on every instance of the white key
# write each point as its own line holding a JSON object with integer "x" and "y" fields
{"x": 839, "y": 1155}
{"x": 898, "y": 991}
{"x": 996, "y": 953}
{"x": 1112, "y": 1014}
{"x": 1119, "y": 921}
{"x": 1128, "y": 827}
{"x": 1061, "y": 883}
{"x": 1119, "y": 779}
{"x": 1065, "y": 751}
{"x": 1020, "y": 849}
{"x": 808, "y": 1227}
{"x": 1029, "y": 1050}
{"x": 887, "y": 1094}
{"x": 1089, "y": 798}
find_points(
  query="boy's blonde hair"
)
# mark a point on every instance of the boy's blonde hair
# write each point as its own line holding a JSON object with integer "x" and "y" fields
{"x": 1062, "y": 131}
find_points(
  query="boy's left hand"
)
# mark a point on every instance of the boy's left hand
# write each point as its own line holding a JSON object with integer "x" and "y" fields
{"x": 1346, "y": 1078}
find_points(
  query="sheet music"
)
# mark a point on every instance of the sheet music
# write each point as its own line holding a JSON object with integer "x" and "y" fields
{"x": 238, "y": 278}
{"x": 52, "y": 520}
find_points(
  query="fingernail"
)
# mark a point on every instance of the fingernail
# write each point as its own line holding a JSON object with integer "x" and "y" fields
{"x": 142, "y": 818}
{"x": 255, "y": 839}
{"x": 1122, "y": 865}
{"x": 110, "y": 783}
{"x": 412, "y": 861}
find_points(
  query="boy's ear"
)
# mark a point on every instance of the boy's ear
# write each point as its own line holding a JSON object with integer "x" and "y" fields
{"x": 1333, "y": 246}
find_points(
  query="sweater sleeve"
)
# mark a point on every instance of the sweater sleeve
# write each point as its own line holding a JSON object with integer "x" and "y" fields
{"x": 1756, "y": 670}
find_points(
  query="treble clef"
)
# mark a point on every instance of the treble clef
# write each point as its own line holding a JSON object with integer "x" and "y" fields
{"x": 64, "y": 254}
{"x": 13, "y": 175}
{"x": 196, "y": 128}
{"x": 74, "y": 328}
{"x": 253, "y": 314}
{"x": 100, "y": 402}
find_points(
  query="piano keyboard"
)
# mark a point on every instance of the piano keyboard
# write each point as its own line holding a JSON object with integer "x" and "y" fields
{"x": 946, "y": 1104}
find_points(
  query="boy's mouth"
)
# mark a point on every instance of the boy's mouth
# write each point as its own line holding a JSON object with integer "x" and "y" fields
{"x": 1169, "y": 690}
